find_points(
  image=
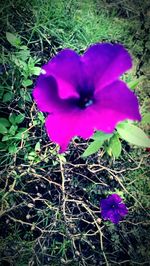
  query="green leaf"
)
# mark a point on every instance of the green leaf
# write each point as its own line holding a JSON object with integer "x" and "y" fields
{"x": 4, "y": 122}
{"x": 114, "y": 147}
{"x": 8, "y": 96}
{"x": 31, "y": 158}
{"x": 32, "y": 155}
{"x": 12, "y": 149}
{"x": 5, "y": 138}
{"x": 22, "y": 134}
{"x": 25, "y": 95}
{"x": 3, "y": 146}
{"x": 146, "y": 119}
{"x": 13, "y": 39}
{"x": 23, "y": 55}
{"x": 37, "y": 146}
{"x": 20, "y": 63}
{"x": 12, "y": 119}
{"x": 99, "y": 138}
{"x": 1, "y": 91}
{"x": 36, "y": 71}
{"x": 3, "y": 129}
{"x": 35, "y": 122}
{"x": 62, "y": 158}
{"x": 13, "y": 130}
{"x": 19, "y": 118}
{"x": 27, "y": 82}
{"x": 41, "y": 117}
{"x": 23, "y": 47}
{"x": 16, "y": 119}
{"x": 98, "y": 135}
{"x": 133, "y": 84}
{"x": 92, "y": 148}
{"x": 133, "y": 134}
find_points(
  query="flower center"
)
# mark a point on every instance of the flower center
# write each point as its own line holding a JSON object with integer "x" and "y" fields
{"x": 113, "y": 206}
{"x": 84, "y": 102}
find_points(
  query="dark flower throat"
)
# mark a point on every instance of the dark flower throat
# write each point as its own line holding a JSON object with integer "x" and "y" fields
{"x": 84, "y": 102}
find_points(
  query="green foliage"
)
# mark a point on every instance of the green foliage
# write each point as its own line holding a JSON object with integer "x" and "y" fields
{"x": 45, "y": 221}
{"x": 134, "y": 83}
{"x": 133, "y": 134}
{"x": 4, "y": 122}
{"x": 99, "y": 138}
{"x": 23, "y": 60}
{"x": 11, "y": 134}
{"x": 59, "y": 248}
{"x": 39, "y": 119}
{"x": 99, "y": 135}
{"x": 140, "y": 187}
{"x": 92, "y": 148}
{"x": 38, "y": 147}
{"x": 16, "y": 119}
{"x": 114, "y": 146}
{"x": 13, "y": 39}
{"x": 111, "y": 142}
{"x": 8, "y": 96}
{"x": 146, "y": 119}
{"x": 27, "y": 67}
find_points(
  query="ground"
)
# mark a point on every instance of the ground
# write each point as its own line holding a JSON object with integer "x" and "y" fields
{"x": 50, "y": 212}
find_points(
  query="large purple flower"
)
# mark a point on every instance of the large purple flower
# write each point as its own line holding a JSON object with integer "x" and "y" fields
{"x": 83, "y": 93}
{"x": 113, "y": 209}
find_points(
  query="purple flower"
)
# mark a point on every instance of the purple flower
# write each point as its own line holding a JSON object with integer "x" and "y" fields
{"x": 113, "y": 209}
{"x": 83, "y": 93}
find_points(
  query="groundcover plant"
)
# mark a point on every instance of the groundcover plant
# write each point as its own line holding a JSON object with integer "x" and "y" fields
{"x": 74, "y": 126}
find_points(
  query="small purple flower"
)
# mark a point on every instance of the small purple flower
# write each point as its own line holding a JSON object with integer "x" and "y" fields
{"x": 83, "y": 93}
{"x": 113, "y": 209}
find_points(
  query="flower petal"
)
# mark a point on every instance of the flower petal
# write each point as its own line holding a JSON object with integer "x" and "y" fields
{"x": 105, "y": 204}
{"x": 63, "y": 126}
{"x": 104, "y": 114}
{"x": 105, "y": 62}
{"x": 46, "y": 96}
{"x": 66, "y": 68}
{"x": 45, "y": 93}
{"x": 122, "y": 209}
{"x": 114, "y": 198}
{"x": 59, "y": 129}
{"x": 115, "y": 217}
{"x": 65, "y": 80}
{"x": 106, "y": 214}
{"x": 111, "y": 215}
{"x": 113, "y": 104}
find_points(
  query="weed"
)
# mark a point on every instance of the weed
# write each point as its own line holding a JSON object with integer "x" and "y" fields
{"x": 50, "y": 203}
